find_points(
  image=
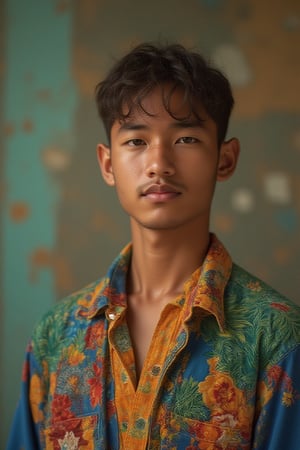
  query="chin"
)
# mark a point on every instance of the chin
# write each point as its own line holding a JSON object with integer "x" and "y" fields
{"x": 160, "y": 225}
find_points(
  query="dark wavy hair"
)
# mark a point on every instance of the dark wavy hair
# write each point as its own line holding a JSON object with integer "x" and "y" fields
{"x": 147, "y": 66}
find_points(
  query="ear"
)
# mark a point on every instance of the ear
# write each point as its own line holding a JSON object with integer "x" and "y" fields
{"x": 228, "y": 158}
{"x": 104, "y": 161}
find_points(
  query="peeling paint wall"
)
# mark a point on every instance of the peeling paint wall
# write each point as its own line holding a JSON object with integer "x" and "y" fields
{"x": 39, "y": 104}
{"x": 60, "y": 225}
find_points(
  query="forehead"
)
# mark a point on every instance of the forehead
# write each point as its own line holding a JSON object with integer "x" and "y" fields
{"x": 164, "y": 100}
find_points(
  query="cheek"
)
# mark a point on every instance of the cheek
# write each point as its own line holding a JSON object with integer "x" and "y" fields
{"x": 123, "y": 198}
{"x": 204, "y": 159}
{"x": 125, "y": 185}
{"x": 126, "y": 166}
{"x": 201, "y": 175}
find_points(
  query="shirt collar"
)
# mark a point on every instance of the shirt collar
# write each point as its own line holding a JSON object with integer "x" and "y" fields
{"x": 110, "y": 291}
{"x": 207, "y": 285}
{"x": 205, "y": 288}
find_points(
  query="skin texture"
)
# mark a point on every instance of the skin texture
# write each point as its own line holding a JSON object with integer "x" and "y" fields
{"x": 165, "y": 171}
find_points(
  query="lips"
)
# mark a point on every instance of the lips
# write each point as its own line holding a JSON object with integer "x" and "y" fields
{"x": 160, "y": 193}
{"x": 160, "y": 189}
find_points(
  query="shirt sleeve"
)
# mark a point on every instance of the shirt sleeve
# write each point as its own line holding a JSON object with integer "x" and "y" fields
{"x": 24, "y": 429}
{"x": 277, "y": 426}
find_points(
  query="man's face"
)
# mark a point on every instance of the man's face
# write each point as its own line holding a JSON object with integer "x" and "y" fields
{"x": 164, "y": 170}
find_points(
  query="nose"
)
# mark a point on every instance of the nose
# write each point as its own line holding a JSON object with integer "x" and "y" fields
{"x": 160, "y": 162}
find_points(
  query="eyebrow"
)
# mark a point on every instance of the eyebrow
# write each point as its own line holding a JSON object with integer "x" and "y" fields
{"x": 131, "y": 126}
{"x": 178, "y": 124}
{"x": 195, "y": 123}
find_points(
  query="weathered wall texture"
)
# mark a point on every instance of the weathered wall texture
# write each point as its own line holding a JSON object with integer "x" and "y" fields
{"x": 60, "y": 225}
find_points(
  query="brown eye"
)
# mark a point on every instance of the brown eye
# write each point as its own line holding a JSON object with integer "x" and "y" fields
{"x": 187, "y": 140}
{"x": 135, "y": 142}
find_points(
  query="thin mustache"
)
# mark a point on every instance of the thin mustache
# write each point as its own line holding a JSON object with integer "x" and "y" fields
{"x": 143, "y": 188}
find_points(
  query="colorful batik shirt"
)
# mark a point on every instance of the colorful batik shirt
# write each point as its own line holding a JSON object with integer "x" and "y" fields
{"x": 222, "y": 371}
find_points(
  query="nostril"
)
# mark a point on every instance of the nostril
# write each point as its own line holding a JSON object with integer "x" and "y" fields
{"x": 164, "y": 168}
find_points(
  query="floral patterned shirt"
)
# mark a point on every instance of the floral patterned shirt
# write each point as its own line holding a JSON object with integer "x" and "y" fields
{"x": 222, "y": 372}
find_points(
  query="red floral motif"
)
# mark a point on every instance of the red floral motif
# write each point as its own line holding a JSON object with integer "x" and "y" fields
{"x": 202, "y": 431}
{"x": 277, "y": 375}
{"x": 274, "y": 374}
{"x": 111, "y": 408}
{"x": 116, "y": 298}
{"x": 280, "y": 306}
{"x": 61, "y": 405}
{"x": 96, "y": 387}
{"x": 224, "y": 393}
{"x": 95, "y": 335}
{"x": 25, "y": 371}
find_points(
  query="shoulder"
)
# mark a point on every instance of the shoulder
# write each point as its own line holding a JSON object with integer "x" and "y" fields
{"x": 272, "y": 320}
{"x": 249, "y": 288}
{"x": 64, "y": 319}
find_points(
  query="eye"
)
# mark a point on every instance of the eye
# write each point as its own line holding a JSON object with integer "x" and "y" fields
{"x": 187, "y": 140}
{"x": 135, "y": 142}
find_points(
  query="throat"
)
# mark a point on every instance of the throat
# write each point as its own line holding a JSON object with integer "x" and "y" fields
{"x": 142, "y": 319}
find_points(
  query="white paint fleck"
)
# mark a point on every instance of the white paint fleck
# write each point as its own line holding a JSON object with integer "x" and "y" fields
{"x": 232, "y": 61}
{"x": 243, "y": 200}
{"x": 56, "y": 159}
{"x": 277, "y": 188}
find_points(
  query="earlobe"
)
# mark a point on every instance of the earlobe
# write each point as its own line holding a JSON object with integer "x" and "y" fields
{"x": 105, "y": 164}
{"x": 229, "y": 155}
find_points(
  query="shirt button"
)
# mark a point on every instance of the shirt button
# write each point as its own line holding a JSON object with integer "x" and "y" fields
{"x": 111, "y": 316}
{"x": 140, "y": 424}
{"x": 155, "y": 371}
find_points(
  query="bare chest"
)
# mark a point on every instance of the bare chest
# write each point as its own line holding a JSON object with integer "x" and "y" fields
{"x": 142, "y": 320}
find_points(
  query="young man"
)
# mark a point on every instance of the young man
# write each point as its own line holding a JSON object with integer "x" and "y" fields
{"x": 177, "y": 347}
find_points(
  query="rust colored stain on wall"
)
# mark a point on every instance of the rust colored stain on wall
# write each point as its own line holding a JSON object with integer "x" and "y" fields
{"x": 43, "y": 258}
{"x": 86, "y": 69}
{"x": 224, "y": 222}
{"x": 19, "y": 211}
{"x": 102, "y": 222}
{"x": 44, "y": 95}
{"x": 62, "y": 6}
{"x": 8, "y": 129}
{"x": 27, "y": 126}
{"x": 283, "y": 255}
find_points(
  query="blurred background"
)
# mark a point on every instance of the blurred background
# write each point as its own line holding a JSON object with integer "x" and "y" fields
{"x": 60, "y": 225}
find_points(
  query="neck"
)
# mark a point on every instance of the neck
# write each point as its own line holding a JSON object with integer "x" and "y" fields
{"x": 162, "y": 260}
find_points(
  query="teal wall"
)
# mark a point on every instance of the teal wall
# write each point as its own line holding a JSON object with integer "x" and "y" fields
{"x": 60, "y": 226}
{"x": 38, "y": 103}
